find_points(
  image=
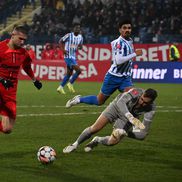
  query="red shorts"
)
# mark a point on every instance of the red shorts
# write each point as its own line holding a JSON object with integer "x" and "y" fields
{"x": 8, "y": 102}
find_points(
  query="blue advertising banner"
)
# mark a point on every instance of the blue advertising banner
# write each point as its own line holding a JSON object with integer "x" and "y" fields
{"x": 157, "y": 72}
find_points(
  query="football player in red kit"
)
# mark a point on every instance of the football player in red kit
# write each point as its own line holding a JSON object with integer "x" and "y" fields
{"x": 12, "y": 57}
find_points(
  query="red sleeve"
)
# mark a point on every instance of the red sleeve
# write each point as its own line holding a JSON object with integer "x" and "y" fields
{"x": 43, "y": 54}
{"x": 32, "y": 54}
{"x": 27, "y": 67}
{"x": 52, "y": 56}
{"x": 61, "y": 56}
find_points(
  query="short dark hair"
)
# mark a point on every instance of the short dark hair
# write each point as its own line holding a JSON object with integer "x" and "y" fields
{"x": 150, "y": 93}
{"x": 124, "y": 21}
{"x": 76, "y": 24}
{"x": 21, "y": 28}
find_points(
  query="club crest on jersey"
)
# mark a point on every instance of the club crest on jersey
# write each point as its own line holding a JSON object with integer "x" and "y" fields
{"x": 134, "y": 92}
{"x": 118, "y": 46}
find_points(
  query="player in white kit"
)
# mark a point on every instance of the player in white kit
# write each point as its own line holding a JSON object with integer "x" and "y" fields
{"x": 118, "y": 77}
{"x": 70, "y": 43}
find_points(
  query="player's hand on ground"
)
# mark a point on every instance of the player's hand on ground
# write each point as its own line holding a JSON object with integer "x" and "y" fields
{"x": 37, "y": 84}
{"x": 138, "y": 52}
{"x": 6, "y": 83}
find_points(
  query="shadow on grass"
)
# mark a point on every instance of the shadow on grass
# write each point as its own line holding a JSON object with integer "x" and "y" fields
{"x": 149, "y": 156}
{"x": 23, "y": 169}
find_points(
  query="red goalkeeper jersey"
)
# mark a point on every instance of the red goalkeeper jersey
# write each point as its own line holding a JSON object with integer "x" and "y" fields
{"x": 12, "y": 60}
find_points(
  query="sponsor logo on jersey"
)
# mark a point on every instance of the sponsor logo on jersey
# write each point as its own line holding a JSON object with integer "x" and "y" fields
{"x": 134, "y": 92}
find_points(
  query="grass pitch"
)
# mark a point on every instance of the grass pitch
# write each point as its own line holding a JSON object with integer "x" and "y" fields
{"x": 43, "y": 120}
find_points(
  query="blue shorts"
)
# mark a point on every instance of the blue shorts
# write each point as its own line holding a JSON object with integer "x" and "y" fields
{"x": 70, "y": 62}
{"x": 112, "y": 83}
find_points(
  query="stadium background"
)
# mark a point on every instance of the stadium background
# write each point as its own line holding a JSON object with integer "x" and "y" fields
{"x": 42, "y": 118}
{"x": 156, "y": 25}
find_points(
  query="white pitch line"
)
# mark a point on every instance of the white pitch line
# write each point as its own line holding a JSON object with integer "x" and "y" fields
{"x": 169, "y": 110}
{"x": 76, "y": 113}
{"x": 56, "y": 114}
{"x": 78, "y": 106}
{"x": 170, "y": 107}
{"x": 44, "y": 106}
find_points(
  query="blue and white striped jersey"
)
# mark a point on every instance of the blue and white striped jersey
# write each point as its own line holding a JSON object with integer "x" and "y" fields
{"x": 71, "y": 44}
{"x": 121, "y": 47}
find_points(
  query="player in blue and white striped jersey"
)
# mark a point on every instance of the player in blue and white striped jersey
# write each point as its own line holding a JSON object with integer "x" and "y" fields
{"x": 118, "y": 76}
{"x": 70, "y": 43}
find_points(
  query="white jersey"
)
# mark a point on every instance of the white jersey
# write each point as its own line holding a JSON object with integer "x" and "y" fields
{"x": 71, "y": 44}
{"x": 121, "y": 47}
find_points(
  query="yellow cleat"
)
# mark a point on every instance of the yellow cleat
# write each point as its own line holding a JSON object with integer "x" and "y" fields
{"x": 70, "y": 87}
{"x": 61, "y": 90}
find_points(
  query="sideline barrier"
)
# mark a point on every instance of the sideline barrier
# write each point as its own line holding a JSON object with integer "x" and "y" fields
{"x": 102, "y": 52}
{"x": 157, "y": 72}
{"x": 94, "y": 71}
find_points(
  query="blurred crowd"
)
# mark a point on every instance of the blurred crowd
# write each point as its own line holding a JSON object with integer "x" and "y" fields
{"x": 52, "y": 52}
{"x": 11, "y": 7}
{"x": 48, "y": 52}
{"x": 99, "y": 18}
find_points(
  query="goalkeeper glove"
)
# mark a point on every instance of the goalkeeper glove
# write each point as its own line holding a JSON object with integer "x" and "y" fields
{"x": 37, "y": 84}
{"x": 136, "y": 122}
{"x": 6, "y": 83}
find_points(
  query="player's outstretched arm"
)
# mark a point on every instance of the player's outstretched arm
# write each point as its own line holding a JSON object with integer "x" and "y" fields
{"x": 27, "y": 68}
{"x": 120, "y": 59}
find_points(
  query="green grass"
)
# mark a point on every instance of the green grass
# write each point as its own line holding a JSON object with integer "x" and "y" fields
{"x": 158, "y": 158}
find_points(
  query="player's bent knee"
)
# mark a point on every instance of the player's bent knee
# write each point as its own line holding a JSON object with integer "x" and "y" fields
{"x": 78, "y": 72}
{"x": 69, "y": 75}
{"x": 7, "y": 130}
{"x": 101, "y": 101}
{"x": 142, "y": 137}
